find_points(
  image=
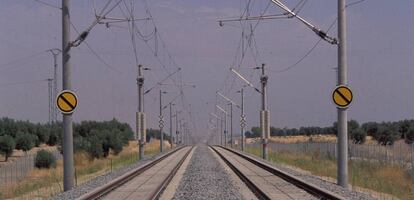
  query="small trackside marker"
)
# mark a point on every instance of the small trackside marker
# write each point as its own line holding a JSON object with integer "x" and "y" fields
{"x": 342, "y": 96}
{"x": 66, "y": 102}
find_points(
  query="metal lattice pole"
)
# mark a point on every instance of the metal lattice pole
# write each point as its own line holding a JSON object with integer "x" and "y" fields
{"x": 242, "y": 119}
{"x": 171, "y": 129}
{"x": 221, "y": 131}
{"x": 55, "y": 52}
{"x": 51, "y": 105}
{"x": 140, "y": 114}
{"x": 264, "y": 114}
{"x": 231, "y": 125}
{"x": 177, "y": 132}
{"x": 161, "y": 125}
{"x": 225, "y": 129}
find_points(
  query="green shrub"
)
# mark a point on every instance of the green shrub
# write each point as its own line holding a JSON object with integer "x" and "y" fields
{"x": 94, "y": 148}
{"x": 112, "y": 141}
{"x": 42, "y": 132}
{"x": 386, "y": 135}
{"x": 353, "y": 125}
{"x": 25, "y": 141}
{"x": 99, "y": 139}
{"x": 7, "y": 145}
{"x": 358, "y": 136}
{"x": 409, "y": 139}
{"x": 371, "y": 128}
{"x": 53, "y": 140}
{"x": 45, "y": 159}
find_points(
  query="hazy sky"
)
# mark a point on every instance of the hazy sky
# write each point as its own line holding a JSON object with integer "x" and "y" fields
{"x": 380, "y": 49}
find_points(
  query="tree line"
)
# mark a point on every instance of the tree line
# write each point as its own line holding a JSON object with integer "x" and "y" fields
{"x": 385, "y": 133}
{"x": 155, "y": 133}
{"x": 98, "y": 139}
{"x": 24, "y": 135}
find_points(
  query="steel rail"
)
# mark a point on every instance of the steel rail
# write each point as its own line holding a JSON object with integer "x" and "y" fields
{"x": 157, "y": 193}
{"x": 260, "y": 194}
{"x": 119, "y": 181}
{"x": 313, "y": 189}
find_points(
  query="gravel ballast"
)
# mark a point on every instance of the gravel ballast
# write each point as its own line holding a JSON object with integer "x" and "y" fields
{"x": 205, "y": 178}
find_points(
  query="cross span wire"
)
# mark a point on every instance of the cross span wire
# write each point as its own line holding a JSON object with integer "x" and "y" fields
{"x": 315, "y": 45}
{"x": 96, "y": 54}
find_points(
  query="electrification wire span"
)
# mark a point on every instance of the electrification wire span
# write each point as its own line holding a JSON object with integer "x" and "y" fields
{"x": 155, "y": 35}
{"x": 315, "y": 45}
{"x": 145, "y": 39}
{"x": 21, "y": 60}
{"x": 251, "y": 42}
{"x": 96, "y": 54}
{"x": 82, "y": 36}
{"x": 180, "y": 83}
{"x": 48, "y": 4}
{"x": 305, "y": 55}
{"x": 21, "y": 83}
{"x": 354, "y": 3}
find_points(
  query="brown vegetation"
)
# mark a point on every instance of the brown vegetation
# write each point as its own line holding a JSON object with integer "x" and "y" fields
{"x": 44, "y": 183}
{"x": 19, "y": 154}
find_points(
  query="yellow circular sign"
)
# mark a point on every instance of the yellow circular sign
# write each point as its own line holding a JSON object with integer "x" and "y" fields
{"x": 342, "y": 96}
{"x": 66, "y": 101}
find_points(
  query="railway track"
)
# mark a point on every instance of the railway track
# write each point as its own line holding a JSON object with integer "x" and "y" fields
{"x": 145, "y": 182}
{"x": 268, "y": 182}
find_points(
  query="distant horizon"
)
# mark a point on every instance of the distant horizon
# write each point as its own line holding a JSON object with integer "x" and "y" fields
{"x": 234, "y": 124}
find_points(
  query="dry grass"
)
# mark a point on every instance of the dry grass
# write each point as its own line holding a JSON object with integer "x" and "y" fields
{"x": 44, "y": 183}
{"x": 40, "y": 184}
{"x": 154, "y": 147}
{"x": 303, "y": 138}
{"x": 18, "y": 154}
{"x": 296, "y": 138}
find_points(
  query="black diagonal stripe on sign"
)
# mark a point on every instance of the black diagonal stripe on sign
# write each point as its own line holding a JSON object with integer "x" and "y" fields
{"x": 343, "y": 96}
{"x": 66, "y": 101}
